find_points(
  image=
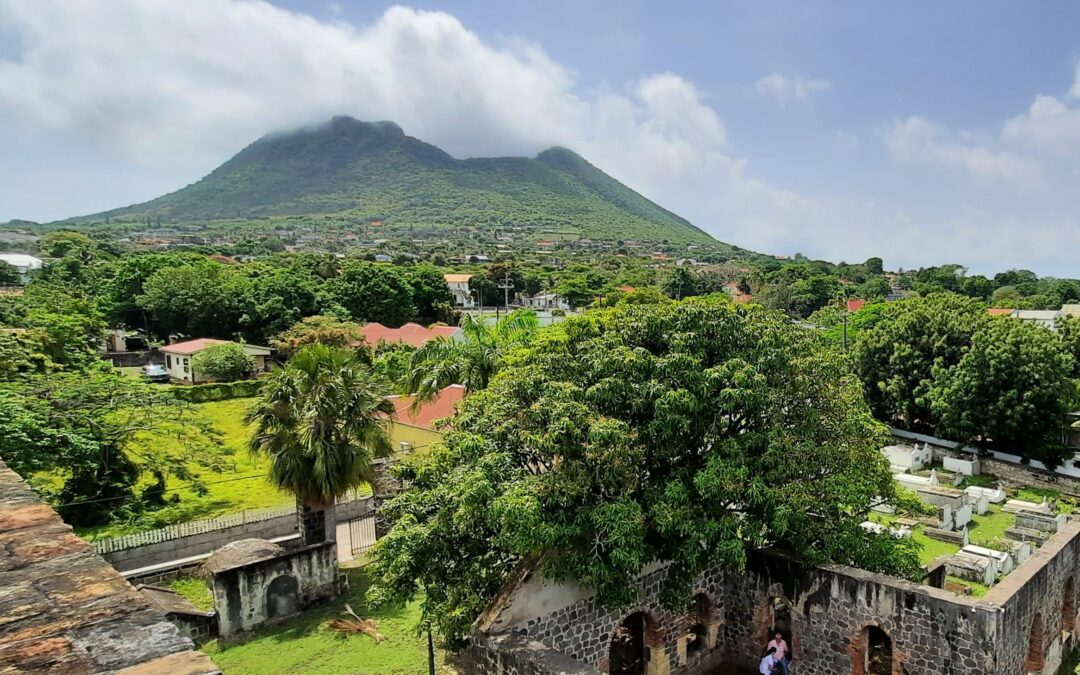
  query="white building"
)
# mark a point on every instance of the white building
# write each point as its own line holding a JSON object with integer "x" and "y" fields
{"x": 545, "y": 301}
{"x": 459, "y": 286}
{"x": 178, "y": 357}
{"x": 23, "y": 264}
{"x": 1047, "y": 318}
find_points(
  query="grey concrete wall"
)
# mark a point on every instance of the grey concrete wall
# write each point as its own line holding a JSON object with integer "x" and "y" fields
{"x": 241, "y": 593}
{"x": 206, "y": 542}
{"x": 518, "y": 655}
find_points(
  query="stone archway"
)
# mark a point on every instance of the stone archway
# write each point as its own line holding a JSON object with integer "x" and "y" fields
{"x": 637, "y": 647}
{"x": 872, "y": 652}
{"x": 282, "y": 597}
{"x": 771, "y": 617}
{"x": 701, "y": 634}
{"x": 1036, "y": 656}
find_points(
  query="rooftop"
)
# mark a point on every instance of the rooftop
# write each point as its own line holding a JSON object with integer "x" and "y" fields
{"x": 65, "y": 610}
{"x": 431, "y": 412}
{"x": 193, "y": 346}
{"x": 411, "y": 333}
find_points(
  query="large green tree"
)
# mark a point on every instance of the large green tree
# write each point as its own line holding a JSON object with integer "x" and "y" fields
{"x": 1011, "y": 390}
{"x": 203, "y": 299}
{"x": 370, "y": 292}
{"x": 91, "y": 427}
{"x": 687, "y": 433}
{"x": 430, "y": 293}
{"x": 320, "y": 419}
{"x": 896, "y": 356}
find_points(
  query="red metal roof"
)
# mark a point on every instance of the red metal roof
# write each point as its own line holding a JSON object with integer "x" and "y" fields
{"x": 411, "y": 333}
{"x": 431, "y": 412}
{"x": 999, "y": 311}
{"x": 855, "y": 305}
{"x": 192, "y": 346}
{"x": 625, "y": 289}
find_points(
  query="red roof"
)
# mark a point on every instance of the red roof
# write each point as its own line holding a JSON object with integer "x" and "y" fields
{"x": 192, "y": 346}
{"x": 431, "y": 412}
{"x": 625, "y": 289}
{"x": 998, "y": 311}
{"x": 411, "y": 333}
{"x": 855, "y": 305}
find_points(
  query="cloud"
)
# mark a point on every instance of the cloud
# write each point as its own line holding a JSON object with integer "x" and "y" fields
{"x": 1048, "y": 127}
{"x": 789, "y": 89}
{"x": 918, "y": 140}
{"x": 168, "y": 84}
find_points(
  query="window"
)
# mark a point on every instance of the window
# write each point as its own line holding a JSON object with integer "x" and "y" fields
{"x": 186, "y": 368}
{"x": 168, "y": 361}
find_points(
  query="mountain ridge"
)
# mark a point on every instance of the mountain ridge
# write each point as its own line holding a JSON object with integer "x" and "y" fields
{"x": 374, "y": 171}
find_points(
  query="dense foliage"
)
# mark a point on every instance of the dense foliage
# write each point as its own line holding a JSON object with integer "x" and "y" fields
{"x": 685, "y": 432}
{"x": 224, "y": 363}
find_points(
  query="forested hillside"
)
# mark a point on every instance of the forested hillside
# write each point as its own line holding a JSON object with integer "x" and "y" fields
{"x": 374, "y": 172}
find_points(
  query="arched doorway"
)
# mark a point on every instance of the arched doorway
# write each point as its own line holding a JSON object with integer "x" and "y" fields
{"x": 282, "y": 597}
{"x": 632, "y": 645}
{"x": 1068, "y": 607}
{"x": 1035, "y": 656}
{"x": 772, "y": 617}
{"x": 872, "y": 652}
{"x": 701, "y": 617}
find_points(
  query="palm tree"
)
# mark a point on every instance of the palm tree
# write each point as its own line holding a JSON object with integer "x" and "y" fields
{"x": 321, "y": 420}
{"x": 472, "y": 360}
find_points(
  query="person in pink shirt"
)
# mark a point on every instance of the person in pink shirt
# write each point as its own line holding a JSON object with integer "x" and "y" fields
{"x": 781, "y": 654}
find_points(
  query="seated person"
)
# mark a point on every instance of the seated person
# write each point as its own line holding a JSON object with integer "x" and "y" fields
{"x": 781, "y": 655}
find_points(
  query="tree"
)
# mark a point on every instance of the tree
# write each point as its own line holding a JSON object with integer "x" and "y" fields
{"x": 320, "y": 420}
{"x": 89, "y": 425}
{"x": 203, "y": 299}
{"x": 896, "y": 357}
{"x": 430, "y": 293}
{"x": 471, "y": 361}
{"x": 276, "y": 298}
{"x": 1069, "y": 329}
{"x": 1005, "y": 296}
{"x": 323, "y": 330}
{"x": 874, "y": 266}
{"x": 687, "y": 433}
{"x": 225, "y": 362}
{"x": 575, "y": 290}
{"x": 681, "y": 283}
{"x": 9, "y": 276}
{"x": 370, "y": 292}
{"x": 1011, "y": 390}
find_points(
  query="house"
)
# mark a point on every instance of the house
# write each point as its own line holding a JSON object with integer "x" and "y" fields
{"x": 23, "y": 264}
{"x": 545, "y": 301}
{"x": 855, "y": 305}
{"x": 459, "y": 286}
{"x": 179, "y": 354}
{"x": 1046, "y": 318}
{"x": 411, "y": 333}
{"x": 1000, "y": 311}
{"x": 415, "y": 429}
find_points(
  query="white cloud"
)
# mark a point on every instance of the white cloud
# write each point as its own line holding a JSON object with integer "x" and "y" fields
{"x": 789, "y": 89}
{"x": 916, "y": 139}
{"x": 187, "y": 84}
{"x": 1049, "y": 127}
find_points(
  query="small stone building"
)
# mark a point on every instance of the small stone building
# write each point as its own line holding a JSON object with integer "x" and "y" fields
{"x": 838, "y": 620}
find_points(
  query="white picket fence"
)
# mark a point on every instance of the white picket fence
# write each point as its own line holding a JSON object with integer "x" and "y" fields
{"x": 196, "y": 527}
{"x": 188, "y": 529}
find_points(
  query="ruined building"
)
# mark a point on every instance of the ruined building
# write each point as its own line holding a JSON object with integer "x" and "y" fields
{"x": 837, "y": 620}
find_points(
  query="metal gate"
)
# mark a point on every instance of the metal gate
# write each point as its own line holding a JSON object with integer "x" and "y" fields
{"x": 362, "y": 534}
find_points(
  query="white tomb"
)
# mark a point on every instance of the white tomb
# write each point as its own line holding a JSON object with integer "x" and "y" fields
{"x": 1018, "y": 505}
{"x": 1005, "y": 562}
{"x": 993, "y": 495}
{"x": 967, "y": 467}
{"x": 906, "y": 458}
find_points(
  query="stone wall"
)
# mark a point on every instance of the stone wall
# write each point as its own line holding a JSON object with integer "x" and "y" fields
{"x": 252, "y": 594}
{"x": 1018, "y": 474}
{"x": 839, "y": 620}
{"x": 514, "y": 654}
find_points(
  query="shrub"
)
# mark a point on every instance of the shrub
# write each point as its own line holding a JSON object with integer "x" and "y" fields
{"x": 224, "y": 362}
{"x": 217, "y": 391}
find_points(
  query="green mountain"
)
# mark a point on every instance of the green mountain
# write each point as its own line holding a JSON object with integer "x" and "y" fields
{"x": 373, "y": 171}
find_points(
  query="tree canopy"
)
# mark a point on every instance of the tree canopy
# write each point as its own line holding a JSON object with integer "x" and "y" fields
{"x": 687, "y": 432}
{"x": 225, "y": 362}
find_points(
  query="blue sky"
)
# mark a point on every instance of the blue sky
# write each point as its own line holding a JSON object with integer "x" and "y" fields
{"x": 921, "y": 132}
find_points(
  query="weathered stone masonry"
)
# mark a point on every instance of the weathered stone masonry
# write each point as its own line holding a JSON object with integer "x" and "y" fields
{"x": 841, "y": 620}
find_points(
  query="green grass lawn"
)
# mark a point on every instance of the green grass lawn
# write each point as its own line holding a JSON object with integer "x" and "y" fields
{"x": 304, "y": 645}
{"x": 242, "y": 485}
{"x": 990, "y": 528}
{"x": 195, "y": 591}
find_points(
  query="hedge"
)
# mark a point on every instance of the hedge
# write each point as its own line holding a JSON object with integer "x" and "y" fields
{"x": 217, "y": 391}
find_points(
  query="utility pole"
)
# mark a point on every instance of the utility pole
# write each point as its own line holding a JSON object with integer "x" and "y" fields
{"x": 506, "y": 286}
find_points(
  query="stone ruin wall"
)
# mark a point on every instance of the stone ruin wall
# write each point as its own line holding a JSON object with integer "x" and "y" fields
{"x": 245, "y": 595}
{"x": 831, "y": 608}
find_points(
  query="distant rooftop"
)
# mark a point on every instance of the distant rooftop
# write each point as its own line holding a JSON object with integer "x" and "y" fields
{"x": 65, "y": 610}
{"x": 411, "y": 333}
{"x": 441, "y": 407}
